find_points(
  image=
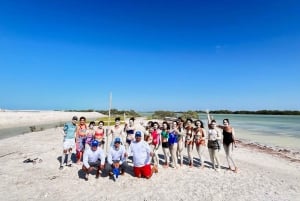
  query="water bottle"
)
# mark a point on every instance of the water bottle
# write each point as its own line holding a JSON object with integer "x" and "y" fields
{"x": 116, "y": 172}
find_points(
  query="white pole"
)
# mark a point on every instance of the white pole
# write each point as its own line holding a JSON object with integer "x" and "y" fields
{"x": 110, "y": 100}
{"x": 108, "y": 127}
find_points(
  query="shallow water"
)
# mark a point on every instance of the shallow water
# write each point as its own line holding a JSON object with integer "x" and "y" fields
{"x": 10, "y": 132}
{"x": 273, "y": 130}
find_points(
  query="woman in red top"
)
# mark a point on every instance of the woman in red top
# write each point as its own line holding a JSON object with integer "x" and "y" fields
{"x": 199, "y": 140}
{"x": 100, "y": 134}
{"x": 80, "y": 138}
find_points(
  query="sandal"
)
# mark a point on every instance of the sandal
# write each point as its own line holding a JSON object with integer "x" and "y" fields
{"x": 28, "y": 160}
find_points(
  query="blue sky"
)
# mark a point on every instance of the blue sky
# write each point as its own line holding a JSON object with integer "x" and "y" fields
{"x": 152, "y": 55}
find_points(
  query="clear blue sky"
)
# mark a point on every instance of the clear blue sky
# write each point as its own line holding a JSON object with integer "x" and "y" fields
{"x": 152, "y": 55}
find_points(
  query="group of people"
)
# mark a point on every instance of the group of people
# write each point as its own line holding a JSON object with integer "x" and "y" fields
{"x": 90, "y": 152}
{"x": 143, "y": 145}
{"x": 178, "y": 135}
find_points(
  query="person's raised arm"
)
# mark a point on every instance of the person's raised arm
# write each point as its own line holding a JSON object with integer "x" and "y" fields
{"x": 208, "y": 117}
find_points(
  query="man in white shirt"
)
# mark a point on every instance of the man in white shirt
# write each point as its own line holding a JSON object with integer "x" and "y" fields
{"x": 93, "y": 158}
{"x": 142, "y": 154}
{"x": 116, "y": 158}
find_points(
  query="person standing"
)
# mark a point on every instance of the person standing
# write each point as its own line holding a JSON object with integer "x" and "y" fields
{"x": 142, "y": 154}
{"x": 228, "y": 142}
{"x": 181, "y": 139}
{"x": 129, "y": 129}
{"x": 100, "y": 134}
{"x": 165, "y": 143}
{"x": 117, "y": 131}
{"x": 199, "y": 140}
{"x": 153, "y": 140}
{"x": 213, "y": 145}
{"x": 69, "y": 130}
{"x": 89, "y": 135}
{"x": 189, "y": 140}
{"x": 80, "y": 138}
{"x": 173, "y": 141}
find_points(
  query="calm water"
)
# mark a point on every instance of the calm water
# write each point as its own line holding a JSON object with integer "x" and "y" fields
{"x": 10, "y": 132}
{"x": 274, "y": 130}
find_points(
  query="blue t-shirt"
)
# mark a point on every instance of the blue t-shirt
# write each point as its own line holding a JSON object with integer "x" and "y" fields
{"x": 69, "y": 129}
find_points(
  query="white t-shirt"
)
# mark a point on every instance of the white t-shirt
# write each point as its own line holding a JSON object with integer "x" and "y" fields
{"x": 140, "y": 152}
{"x": 93, "y": 156}
{"x": 116, "y": 154}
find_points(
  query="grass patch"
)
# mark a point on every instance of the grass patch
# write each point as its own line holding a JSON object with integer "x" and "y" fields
{"x": 110, "y": 121}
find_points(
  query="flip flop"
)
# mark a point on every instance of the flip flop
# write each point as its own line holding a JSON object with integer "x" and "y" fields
{"x": 28, "y": 160}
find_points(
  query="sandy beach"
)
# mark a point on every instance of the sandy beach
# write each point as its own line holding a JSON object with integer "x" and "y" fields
{"x": 263, "y": 175}
{"x": 10, "y": 119}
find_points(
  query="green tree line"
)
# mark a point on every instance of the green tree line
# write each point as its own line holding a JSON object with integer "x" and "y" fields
{"x": 160, "y": 114}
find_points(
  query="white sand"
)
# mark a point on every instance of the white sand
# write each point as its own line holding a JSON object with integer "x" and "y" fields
{"x": 10, "y": 119}
{"x": 262, "y": 176}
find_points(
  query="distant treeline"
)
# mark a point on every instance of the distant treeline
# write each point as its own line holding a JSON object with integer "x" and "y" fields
{"x": 265, "y": 112}
{"x": 190, "y": 113}
{"x": 113, "y": 112}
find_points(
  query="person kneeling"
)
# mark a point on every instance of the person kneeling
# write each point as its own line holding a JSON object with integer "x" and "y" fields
{"x": 93, "y": 158}
{"x": 116, "y": 159}
{"x": 142, "y": 154}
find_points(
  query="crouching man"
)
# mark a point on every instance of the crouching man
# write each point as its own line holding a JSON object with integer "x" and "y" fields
{"x": 93, "y": 159}
{"x": 116, "y": 159}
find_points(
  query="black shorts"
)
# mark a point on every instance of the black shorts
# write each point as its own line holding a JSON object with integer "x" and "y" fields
{"x": 165, "y": 144}
{"x": 95, "y": 164}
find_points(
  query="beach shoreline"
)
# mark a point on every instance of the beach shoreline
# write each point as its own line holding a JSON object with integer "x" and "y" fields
{"x": 10, "y": 119}
{"x": 20, "y": 122}
{"x": 272, "y": 177}
{"x": 263, "y": 174}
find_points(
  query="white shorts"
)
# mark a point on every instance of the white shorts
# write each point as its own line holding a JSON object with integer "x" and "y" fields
{"x": 69, "y": 144}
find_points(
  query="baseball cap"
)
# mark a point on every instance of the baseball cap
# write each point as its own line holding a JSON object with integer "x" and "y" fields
{"x": 117, "y": 140}
{"x": 138, "y": 134}
{"x": 95, "y": 143}
{"x": 75, "y": 118}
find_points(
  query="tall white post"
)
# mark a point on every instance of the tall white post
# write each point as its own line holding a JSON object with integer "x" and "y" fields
{"x": 108, "y": 127}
